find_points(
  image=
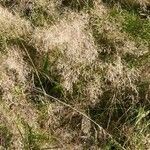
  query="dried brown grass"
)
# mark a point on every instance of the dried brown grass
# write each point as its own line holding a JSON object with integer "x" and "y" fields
{"x": 14, "y": 107}
{"x": 12, "y": 25}
{"x": 85, "y": 54}
{"x": 68, "y": 39}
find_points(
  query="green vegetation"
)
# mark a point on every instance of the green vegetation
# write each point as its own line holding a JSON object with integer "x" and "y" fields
{"x": 5, "y": 136}
{"x": 78, "y": 4}
{"x": 34, "y": 140}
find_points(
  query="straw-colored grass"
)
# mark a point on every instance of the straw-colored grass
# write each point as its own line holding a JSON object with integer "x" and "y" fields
{"x": 74, "y": 74}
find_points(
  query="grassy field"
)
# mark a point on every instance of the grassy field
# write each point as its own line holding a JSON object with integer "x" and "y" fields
{"x": 75, "y": 74}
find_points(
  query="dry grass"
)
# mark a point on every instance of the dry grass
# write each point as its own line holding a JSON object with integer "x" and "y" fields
{"x": 73, "y": 46}
{"x": 89, "y": 59}
{"x": 14, "y": 107}
{"x": 13, "y": 26}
